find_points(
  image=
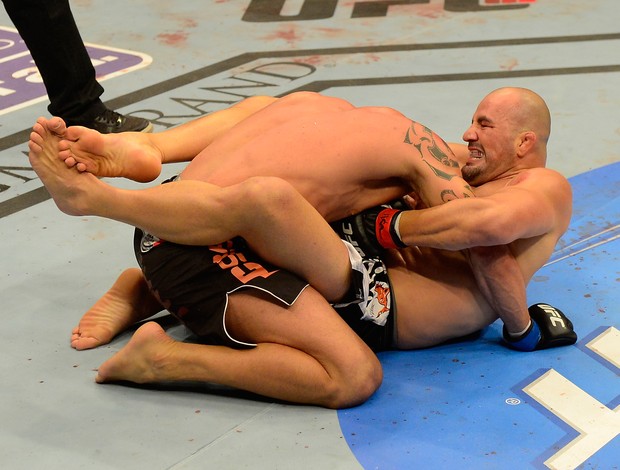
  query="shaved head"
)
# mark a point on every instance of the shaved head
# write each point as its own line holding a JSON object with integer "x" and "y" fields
{"x": 509, "y": 130}
{"x": 526, "y": 109}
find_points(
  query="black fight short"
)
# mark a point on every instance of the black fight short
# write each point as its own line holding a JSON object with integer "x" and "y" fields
{"x": 193, "y": 282}
{"x": 378, "y": 338}
{"x": 369, "y": 307}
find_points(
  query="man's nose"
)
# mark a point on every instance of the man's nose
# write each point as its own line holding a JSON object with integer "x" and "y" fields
{"x": 470, "y": 135}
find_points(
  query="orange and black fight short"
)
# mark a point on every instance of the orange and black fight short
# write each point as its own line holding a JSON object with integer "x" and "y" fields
{"x": 194, "y": 282}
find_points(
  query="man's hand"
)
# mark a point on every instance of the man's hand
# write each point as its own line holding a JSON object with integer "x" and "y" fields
{"x": 549, "y": 328}
{"x": 371, "y": 231}
{"x": 410, "y": 201}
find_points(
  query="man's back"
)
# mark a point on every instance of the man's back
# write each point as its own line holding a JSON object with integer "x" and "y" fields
{"x": 340, "y": 158}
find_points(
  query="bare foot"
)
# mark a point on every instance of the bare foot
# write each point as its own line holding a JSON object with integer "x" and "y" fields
{"x": 127, "y": 302}
{"x": 129, "y": 154}
{"x": 72, "y": 191}
{"x": 137, "y": 361}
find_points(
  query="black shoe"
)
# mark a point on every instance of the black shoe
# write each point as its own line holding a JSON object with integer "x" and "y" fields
{"x": 111, "y": 122}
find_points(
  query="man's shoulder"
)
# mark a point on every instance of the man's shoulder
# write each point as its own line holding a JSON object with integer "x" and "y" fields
{"x": 538, "y": 177}
{"x": 550, "y": 185}
{"x": 535, "y": 185}
{"x": 547, "y": 172}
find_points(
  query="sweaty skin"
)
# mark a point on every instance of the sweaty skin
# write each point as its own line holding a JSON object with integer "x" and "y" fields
{"x": 438, "y": 297}
{"x": 520, "y": 204}
{"x": 352, "y": 168}
{"x": 262, "y": 144}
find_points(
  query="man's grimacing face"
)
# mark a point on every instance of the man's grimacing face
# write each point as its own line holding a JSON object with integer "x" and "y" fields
{"x": 490, "y": 139}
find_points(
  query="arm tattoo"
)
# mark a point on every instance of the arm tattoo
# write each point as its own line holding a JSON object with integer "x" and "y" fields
{"x": 424, "y": 140}
{"x": 438, "y": 172}
{"x": 435, "y": 153}
{"x": 449, "y": 195}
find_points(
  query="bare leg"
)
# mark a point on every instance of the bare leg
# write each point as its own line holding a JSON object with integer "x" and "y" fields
{"x": 280, "y": 224}
{"x": 138, "y": 156}
{"x": 128, "y": 301}
{"x": 305, "y": 354}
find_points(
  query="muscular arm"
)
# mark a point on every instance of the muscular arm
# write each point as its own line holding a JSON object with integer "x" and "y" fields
{"x": 494, "y": 267}
{"x": 501, "y": 282}
{"x": 497, "y": 274}
{"x": 461, "y": 152}
{"x": 436, "y": 173}
{"x": 484, "y": 226}
{"x": 515, "y": 212}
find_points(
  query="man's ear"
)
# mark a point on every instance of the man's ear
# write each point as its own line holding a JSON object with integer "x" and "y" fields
{"x": 527, "y": 141}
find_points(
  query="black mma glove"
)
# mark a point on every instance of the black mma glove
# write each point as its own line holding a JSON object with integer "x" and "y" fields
{"x": 549, "y": 328}
{"x": 371, "y": 231}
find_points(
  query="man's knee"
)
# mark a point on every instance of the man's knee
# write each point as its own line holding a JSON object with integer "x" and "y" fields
{"x": 362, "y": 380}
{"x": 369, "y": 378}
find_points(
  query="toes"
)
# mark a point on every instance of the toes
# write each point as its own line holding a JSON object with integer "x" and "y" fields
{"x": 74, "y": 133}
{"x": 38, "y": 129}
{"x": 56, "y": 125}
{"x": 34, "y": 147}
{"x": 41, "y": 121}
{"x": 70, "y": 162}
{"x": 36, "y": 136}
{"x": 81, "y": 344}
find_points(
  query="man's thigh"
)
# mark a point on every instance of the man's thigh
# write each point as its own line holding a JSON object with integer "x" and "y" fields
{"x": 310, "y": 325}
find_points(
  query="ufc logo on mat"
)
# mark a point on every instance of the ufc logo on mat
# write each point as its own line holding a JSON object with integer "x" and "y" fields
{"x": 597, "y": 424}
{"x": 305, "y": 10}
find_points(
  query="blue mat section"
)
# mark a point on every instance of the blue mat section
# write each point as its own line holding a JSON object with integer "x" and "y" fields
{"x": 477, "y": 404}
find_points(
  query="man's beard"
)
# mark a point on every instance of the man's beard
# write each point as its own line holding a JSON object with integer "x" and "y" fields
{"x": 471, "y": 174}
